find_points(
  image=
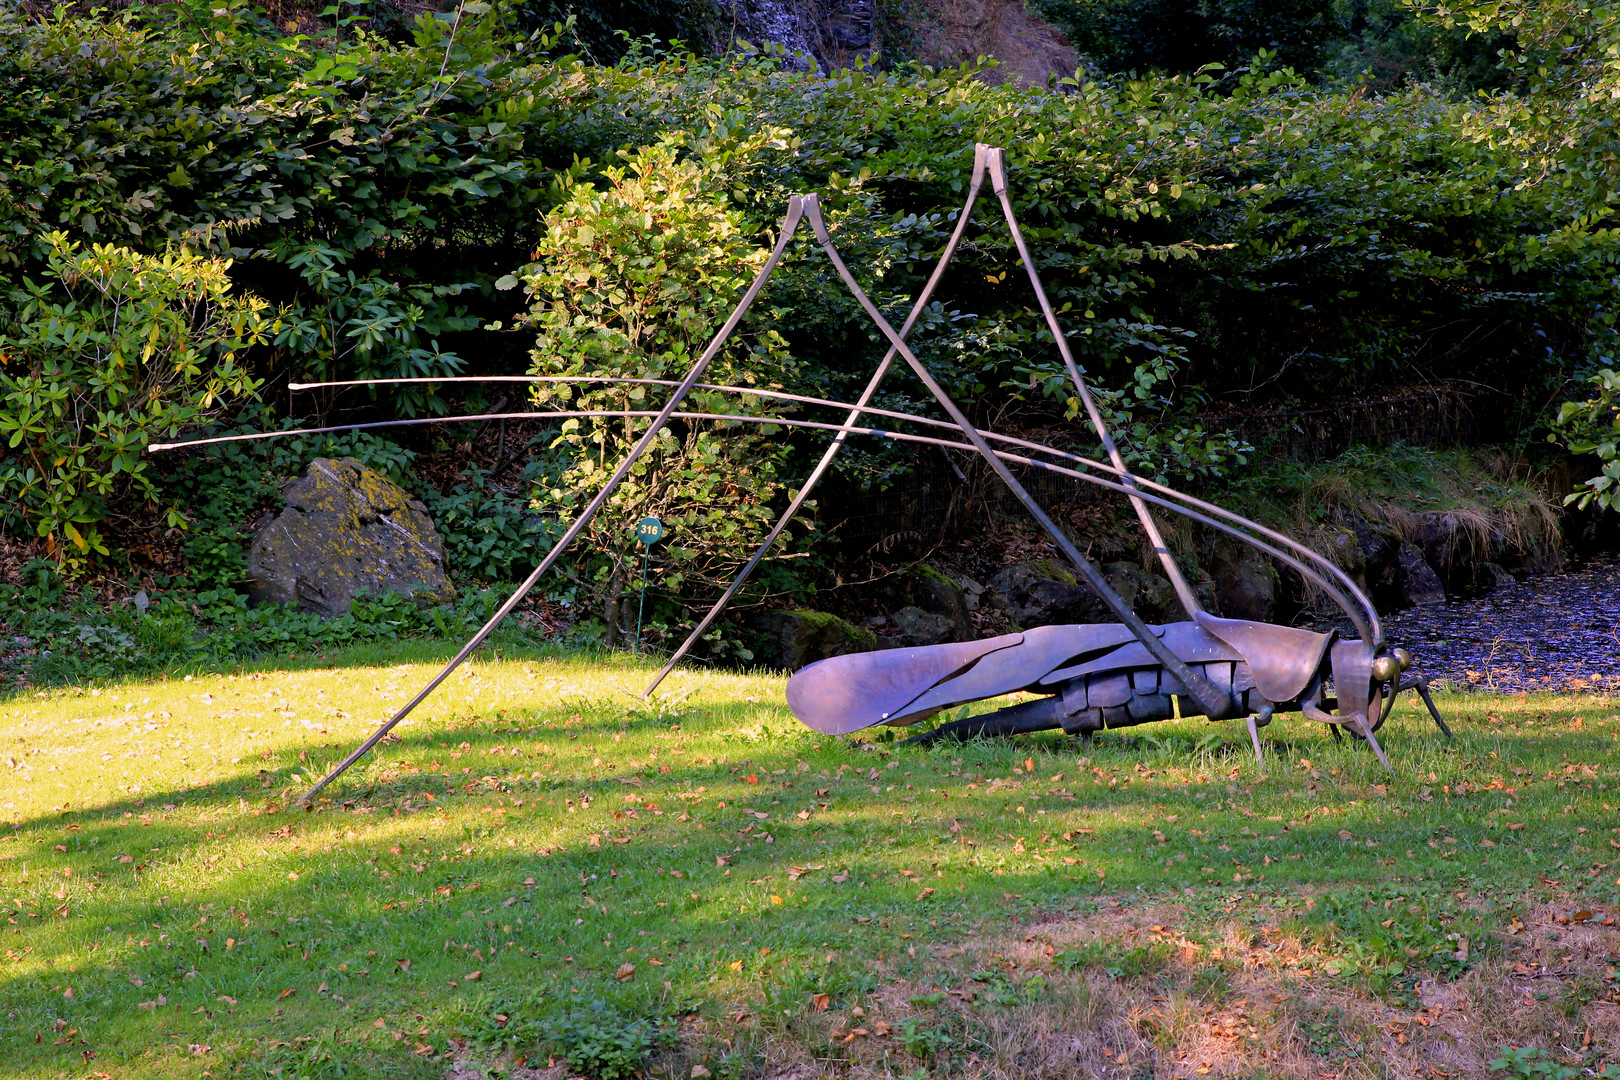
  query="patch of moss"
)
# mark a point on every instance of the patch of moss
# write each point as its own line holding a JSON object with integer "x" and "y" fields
{"x": 923, "y": 570}
{"x": 1051, "y": 571}
{"x": 820, "y": 622}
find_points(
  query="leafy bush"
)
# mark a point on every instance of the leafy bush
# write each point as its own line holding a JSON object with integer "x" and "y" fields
{"x": 1261, "y": 243}
{"x": 490, "y": 533}
{"x": 605, "y": 1043}
{"x": 1593, "y": 427}
{"x": 118, "y": 350}
{"x": 632, "y": 281}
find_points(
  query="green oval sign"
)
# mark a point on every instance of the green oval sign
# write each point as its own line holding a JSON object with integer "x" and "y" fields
{"x": 649, "y": 530}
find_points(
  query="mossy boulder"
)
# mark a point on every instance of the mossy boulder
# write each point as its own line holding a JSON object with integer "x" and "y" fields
{"x": 347, "y": 531}
{"x": 921, "y": 587}
{"x": 1150, "y": 595}
{"x": 1245, "y": 583}
{"x": 1044, "y": 594}
{"x": 793, "y": 639}
{"x": 920, "y": 627}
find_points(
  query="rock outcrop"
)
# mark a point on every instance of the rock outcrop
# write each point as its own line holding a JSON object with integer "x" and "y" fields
{"x": 919, "y": 627}
{"x": 1044, "y": 594}
{"x": 932, "y": 593}
{"x": 347, "y": 531}
{"x": 1419, "y": 584}
{"x": 793, "y": 639}
{"x": 1245, "y": 583}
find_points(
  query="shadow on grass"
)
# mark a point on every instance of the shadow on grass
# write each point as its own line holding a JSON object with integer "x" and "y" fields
{"x": 384, "y": 902}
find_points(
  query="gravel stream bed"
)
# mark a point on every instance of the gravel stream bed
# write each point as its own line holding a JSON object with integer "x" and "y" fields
{"x": 1558, "y": 632}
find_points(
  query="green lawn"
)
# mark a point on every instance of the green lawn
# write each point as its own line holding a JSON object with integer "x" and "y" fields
{"x": 538, "y": 839}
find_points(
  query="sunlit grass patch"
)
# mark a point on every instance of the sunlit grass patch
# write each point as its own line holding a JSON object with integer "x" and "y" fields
{"x": 722, "y": 887}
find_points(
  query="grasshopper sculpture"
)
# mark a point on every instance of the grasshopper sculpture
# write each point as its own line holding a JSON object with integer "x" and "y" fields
{"x": 1086, "y": 678}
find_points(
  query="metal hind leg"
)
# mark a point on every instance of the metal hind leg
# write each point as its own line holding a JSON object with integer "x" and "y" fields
{"x": 1421, "y": 685}
{"x": 1254, "y": 737}
{"x": 1042, "y": 714}
{"x": 1364, "y": 729}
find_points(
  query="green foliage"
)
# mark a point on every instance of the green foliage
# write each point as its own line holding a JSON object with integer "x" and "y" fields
{"x": 924, "y": 1037}
{"x": 1185, "y": 35}
{"x": 356, "y": 181}
{"x": 1132, "y": 963}
{"x": 490, "y": 533}
{"x": 1593, "y": 427}
{"x": 1385, "y": 43}
{"x": 1534, "y": 1063}
{"x": 605, "y": 1043}
{"x": 1260, "y": 243}
{"x": 633, "y": 281}
{"x": 118, "y": 350}
{"x": 604, "y": 30}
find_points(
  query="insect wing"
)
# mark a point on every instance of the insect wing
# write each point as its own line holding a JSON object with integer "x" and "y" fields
{"x": 847, "y": 693}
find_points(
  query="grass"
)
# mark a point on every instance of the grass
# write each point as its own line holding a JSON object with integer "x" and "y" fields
{"x": 542, "y": 864}
{"x": 1496, "y": 503}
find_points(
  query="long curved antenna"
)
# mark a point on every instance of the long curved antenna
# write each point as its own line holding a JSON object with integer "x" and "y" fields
{"x": 1370, "y": 631}
{"x": 1213, "y": 702}
{"x": 1304, "y": 570}
{"x": 998, "y": 184}
{"x": 790, "y": 225}
{"x": 980, "y": 154}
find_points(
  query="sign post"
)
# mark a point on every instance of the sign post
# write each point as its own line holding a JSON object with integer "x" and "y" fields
{"x": 649, "y": 530}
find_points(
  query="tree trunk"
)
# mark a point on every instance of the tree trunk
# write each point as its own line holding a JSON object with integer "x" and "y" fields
{"x": 611, "y": 612}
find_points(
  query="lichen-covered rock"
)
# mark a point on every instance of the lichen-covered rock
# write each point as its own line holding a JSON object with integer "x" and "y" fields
{"x": 347, "y": 531}
{"x": 796, "y": 638}
{"x": 1150, "y": 595}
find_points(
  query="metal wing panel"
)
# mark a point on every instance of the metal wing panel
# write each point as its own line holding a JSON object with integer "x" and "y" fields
{"x": 1187, "y": 640}
{"x": 1043, "y": 648}
{"x": 847, "y": 693}
{"x": 1281, "y": 658}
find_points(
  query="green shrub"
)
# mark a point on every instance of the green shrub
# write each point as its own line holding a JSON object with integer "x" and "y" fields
{"x": 1260, "y": 243}
{"x": 119, "y": 349}
{"x": 489, "y": 533}
{"x": 633, "y": 280}
{"x": 604, "y": 1043}
{"x": 1593, "y": 427}
{"x": 1534, "y": 1063}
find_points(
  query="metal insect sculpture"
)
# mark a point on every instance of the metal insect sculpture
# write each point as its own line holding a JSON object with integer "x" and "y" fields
{"x": 1087, "y": 678}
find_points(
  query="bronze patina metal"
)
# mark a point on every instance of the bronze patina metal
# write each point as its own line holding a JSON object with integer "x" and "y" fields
{"x": 1087, "y": 678}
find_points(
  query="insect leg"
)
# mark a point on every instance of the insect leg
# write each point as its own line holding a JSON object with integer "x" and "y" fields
{"x": 1255, "y": 722}
{"x": 1254, "y": 737}
{"x": 1421, "y": 685}
{"x": 1364, "y": 729}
